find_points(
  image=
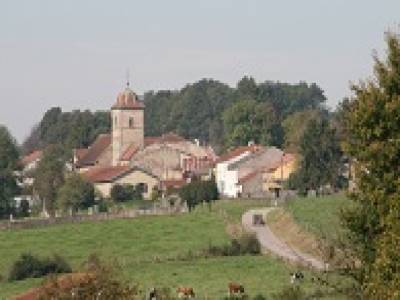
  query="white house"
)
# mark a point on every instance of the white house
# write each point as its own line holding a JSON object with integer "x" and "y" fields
{"x": 226, "y": 178}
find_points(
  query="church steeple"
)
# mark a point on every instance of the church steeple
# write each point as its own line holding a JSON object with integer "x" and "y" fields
{"x": 127, "y": 116}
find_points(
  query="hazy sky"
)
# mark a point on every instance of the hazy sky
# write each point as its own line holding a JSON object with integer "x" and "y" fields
{"x": 75, "y": 53}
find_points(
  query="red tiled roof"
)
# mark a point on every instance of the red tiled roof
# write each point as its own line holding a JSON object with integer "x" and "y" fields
{"x": 104, "y": 174}
{"x": 27, "y": 159}
{"x": 129, "y": 152}
{"x": 95, "y": 150}
{"x": 248, "y": 176}
{"x": 127, "y": 99}
{"x": 236, "y": 152}
{"x": 169, "y": 137}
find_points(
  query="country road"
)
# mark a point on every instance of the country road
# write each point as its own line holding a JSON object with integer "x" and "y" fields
{"x": 271, "y": 242}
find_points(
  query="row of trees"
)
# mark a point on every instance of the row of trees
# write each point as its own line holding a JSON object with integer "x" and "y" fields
{"x": 207, "y": 110}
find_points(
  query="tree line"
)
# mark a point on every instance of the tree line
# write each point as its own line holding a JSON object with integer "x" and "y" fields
{"x": 207, "y": 110}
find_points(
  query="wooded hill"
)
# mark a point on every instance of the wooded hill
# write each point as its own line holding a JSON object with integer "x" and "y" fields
{"x": 207, "y": 110}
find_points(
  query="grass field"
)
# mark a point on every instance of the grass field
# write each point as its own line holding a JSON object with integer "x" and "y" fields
{"x": 319, "y": 215}
{"x": 147, "y": 248}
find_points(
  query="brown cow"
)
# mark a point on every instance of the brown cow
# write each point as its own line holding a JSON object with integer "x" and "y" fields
{"x": 185, "y": 292}
{"x": 235, "y": 288}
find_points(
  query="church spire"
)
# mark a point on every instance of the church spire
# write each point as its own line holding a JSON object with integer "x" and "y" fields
{"x": 127, "y": 78}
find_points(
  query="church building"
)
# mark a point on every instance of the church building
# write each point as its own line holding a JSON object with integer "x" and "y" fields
{"x": 127, "y": 156}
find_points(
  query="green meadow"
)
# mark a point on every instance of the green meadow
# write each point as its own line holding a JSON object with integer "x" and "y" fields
{"x": 153, "y": 251}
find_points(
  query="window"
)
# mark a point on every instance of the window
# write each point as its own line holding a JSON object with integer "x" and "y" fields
{"x": 143, "y": 187}
{"x": 115, "y": 121}
{"x": 130, "y": 122}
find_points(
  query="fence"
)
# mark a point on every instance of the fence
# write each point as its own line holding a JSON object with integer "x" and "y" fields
{"x": 124, "y": 214}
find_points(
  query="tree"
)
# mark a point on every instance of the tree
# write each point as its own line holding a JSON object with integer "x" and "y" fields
{"x": 75, "y": 193}
{"x": 8, "y": 164}
{"x": 294, "y": 127}
{"x": 373, "y": 143}
{"x": 199, "y": 191}
{"x": 247, "y": 120}
{"x": 321, "y": 158}
{"x": 49, "y": 176}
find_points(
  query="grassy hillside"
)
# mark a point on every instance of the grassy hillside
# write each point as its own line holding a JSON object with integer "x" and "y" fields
{"x": 319, "y": 215}
{"x": 148, "y": 249}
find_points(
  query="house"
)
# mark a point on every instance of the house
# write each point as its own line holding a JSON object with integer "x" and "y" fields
{"x": 226, "y": 177}
{"x": 274, "y": 177}
{"x": 119, "y": 156}
{"x": 104, "y": 178}
{"x": 253, "y": 171}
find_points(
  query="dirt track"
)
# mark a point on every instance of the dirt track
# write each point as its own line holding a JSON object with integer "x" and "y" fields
{"x": 272, "y": 243}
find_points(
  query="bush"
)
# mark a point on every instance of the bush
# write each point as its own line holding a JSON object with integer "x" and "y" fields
{"x": 30, "y": 266}
{"x": 23, "y": 209}
{"x": 97, "y": 281}
{"x": 122, "y": 193}
{"x": 245, "y": 244}
{"x": 103, "y": 206}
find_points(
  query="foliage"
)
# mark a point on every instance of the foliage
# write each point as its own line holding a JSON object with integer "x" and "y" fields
{"x": 294, "y": 127}
{"x": 125, "y": 192}
{"x": 155, "y": 194}
{"x": 30, "y": 266}
{"x": 49, "y": 176}
{"x": 321, "y": 162}
{"x": 197, "y": 110}
{"x": 8, "y": 164}
{"x": 373, "y": 143}
{"x": 247, "y": 120}
{"x": 199, "y": 191}
{"x": 75, "y": 193}
{"x": 23, "y": 209}
{"x": 99, "y": 280}
{"x": 74, "y": 129}
{"x": 245, "y": 244}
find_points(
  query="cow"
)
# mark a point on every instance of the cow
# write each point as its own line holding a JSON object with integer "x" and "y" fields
{"x": 235, "y": 288}
{"x": 153, "y": 294}
{"x": 296, "y": 277}
{"x": 185, "y": 292}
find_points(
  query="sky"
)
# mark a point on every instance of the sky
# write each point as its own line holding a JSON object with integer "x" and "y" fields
{"x": 75, "y": 54}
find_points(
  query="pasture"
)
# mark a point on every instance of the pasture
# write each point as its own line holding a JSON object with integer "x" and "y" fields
{"x": 149, "y": 251}
{"x": 153, "y": 251}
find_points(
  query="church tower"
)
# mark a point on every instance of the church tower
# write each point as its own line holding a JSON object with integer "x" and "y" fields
{"x": 127, "y": 119}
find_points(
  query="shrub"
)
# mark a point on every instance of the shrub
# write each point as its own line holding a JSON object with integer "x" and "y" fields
{"x": 103, "y": 206}
{"x": 97, "y": 281}
{"x": 245, "y": 244}
{"x": 30, "y": 266}
{"x": 122, "y": 193}
{"x": 23, "y": 209}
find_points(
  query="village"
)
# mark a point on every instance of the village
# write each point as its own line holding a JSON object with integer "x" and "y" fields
{"x": 210, "y": 150}
{"x": 126, "y": 157}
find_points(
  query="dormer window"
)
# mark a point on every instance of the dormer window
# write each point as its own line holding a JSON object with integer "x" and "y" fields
{"x": 131, "y": 122}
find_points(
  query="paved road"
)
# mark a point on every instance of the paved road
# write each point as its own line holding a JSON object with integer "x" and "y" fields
{"x": 271, "y": 242}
